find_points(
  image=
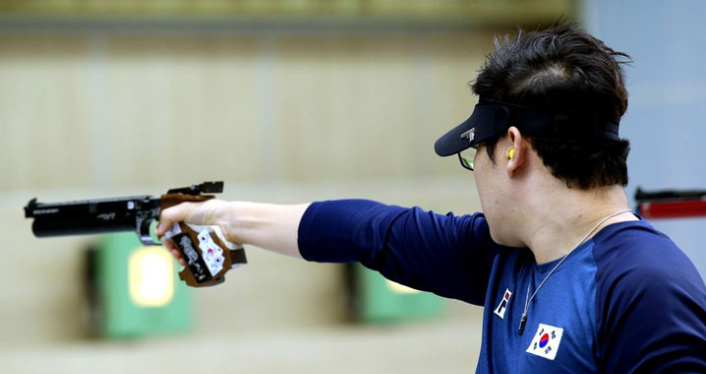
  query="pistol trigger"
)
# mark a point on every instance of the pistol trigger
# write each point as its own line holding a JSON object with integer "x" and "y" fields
{"x": 146, "y": 232}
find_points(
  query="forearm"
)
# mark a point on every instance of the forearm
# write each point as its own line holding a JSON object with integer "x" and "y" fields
{"x": 269, "y": 226}
{"x": 445, "y": 254}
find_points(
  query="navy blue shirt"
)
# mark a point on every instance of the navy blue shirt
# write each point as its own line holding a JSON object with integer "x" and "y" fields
{"x": 626, "y": 301}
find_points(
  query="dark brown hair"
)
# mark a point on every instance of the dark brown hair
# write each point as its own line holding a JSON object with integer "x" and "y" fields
{"x": 563, "y": 68}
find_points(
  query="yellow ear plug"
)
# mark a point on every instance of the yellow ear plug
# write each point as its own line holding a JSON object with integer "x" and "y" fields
{"x": 511, "y": 153}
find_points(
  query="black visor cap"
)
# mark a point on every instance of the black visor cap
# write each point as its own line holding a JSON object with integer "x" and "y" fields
{"x": 492, "y": 118}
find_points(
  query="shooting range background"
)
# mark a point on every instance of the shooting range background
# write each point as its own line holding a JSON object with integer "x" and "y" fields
{"x": 281, "y": 116}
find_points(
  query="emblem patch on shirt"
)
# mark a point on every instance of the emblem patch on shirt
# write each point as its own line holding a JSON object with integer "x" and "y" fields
{"x": 546, "y": 341}
{"x": 502, "y": 307}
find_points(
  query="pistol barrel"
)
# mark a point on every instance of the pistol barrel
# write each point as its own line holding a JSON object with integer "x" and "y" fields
{"x": 92, "y": 216}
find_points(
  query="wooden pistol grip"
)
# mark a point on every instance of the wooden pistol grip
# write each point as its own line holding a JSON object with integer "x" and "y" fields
{"x": 207, "y": 253}
{"x": 169, "y": 200}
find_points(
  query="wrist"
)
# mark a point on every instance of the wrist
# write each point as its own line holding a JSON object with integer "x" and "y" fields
{"x": 234, "y": 221}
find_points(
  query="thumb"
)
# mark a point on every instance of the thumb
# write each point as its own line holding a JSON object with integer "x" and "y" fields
{"x": 169, "y": 216}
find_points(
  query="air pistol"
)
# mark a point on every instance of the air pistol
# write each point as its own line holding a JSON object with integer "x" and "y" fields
{"x": 205, "y": 249}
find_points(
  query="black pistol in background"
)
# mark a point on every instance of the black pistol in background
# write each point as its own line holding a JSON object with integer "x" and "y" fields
{"x": 205, "y": 250}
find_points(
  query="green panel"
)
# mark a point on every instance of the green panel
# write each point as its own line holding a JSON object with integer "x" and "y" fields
{"x": 378, "y": 303}
{"x": 121, "y": 317}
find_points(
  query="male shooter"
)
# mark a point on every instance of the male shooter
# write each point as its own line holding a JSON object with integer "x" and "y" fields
{"x": 570, "y": 279}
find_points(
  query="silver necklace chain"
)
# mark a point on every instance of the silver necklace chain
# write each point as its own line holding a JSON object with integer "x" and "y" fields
{"x": 529, "y": 298}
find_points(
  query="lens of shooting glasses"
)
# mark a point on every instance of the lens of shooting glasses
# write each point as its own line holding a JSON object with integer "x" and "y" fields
{"x": 467, "y": 158}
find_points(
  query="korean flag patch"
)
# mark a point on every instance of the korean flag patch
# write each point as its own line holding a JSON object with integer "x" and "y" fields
{"x": 546, "y": 341}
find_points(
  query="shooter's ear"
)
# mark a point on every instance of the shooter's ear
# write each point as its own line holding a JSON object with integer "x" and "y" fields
{"x": 517, "y": 152}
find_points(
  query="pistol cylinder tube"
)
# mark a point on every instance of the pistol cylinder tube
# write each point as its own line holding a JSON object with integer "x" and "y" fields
{"x": 47, "y": 227}
{"x": 92, "y": 216}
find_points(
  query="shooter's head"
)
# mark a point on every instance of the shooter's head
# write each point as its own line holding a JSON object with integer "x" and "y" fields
{"x": 563, "y": 91}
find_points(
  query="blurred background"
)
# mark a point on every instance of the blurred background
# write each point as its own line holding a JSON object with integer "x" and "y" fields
{"x": 286, "y": 101}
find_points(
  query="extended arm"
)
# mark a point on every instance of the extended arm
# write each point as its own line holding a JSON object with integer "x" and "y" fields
{"x": 269, "y": 226}
{"x": 446, "y": 254}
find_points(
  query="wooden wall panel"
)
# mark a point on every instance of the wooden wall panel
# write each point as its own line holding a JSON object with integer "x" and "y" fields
{"x": 101, "y": 110}
{"x": 44, "y": 126}
{"x": 182, "y": 109}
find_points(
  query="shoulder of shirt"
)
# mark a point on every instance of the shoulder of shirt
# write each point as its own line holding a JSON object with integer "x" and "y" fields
{"x": 634, "y": 252}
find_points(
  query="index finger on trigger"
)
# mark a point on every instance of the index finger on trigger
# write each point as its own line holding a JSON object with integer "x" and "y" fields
{"x": 171, "y": 215}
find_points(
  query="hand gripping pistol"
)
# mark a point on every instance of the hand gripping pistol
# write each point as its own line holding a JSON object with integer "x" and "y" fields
{"x": 205, "y": 250}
